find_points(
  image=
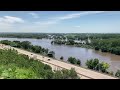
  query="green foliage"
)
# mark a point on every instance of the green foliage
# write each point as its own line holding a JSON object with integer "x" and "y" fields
{"x": 95, "y": 65}
{"x": 70, "y": 42}
{"x": 78, "y": 62}
{"x": 26, "y": 45}
{"x": 24, "y": 35}
{"x": 117, "y": 74}
{"x": 18, "y": 66}
{"x": 107, "y": 45}
{"x": 66, "y": 74}
{"x": 104, "y": 66}
{"x": 47, "y": 67}
{"x": 73, "y": 60}
{"x": 73, "y": 73}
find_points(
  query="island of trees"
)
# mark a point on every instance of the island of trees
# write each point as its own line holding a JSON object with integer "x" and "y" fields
{"x": 103, "y": 42}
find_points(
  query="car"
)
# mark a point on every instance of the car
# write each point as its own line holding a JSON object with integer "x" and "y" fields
{"x": 48, "y": 59}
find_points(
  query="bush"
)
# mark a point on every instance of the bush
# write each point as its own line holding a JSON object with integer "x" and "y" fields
{"x": 96, "y": 48}
{"x": 47, "y": 67}
{"x": 95, "y": 65}
{"x": 72, "y": 60}
{"x": 104, "y": 67}
{"x": 117, "y": 74}
{"x": 78, "y": 62}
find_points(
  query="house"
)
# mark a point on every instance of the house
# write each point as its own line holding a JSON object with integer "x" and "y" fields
{"x": 76, "y": 41}
{"x": 83, "y": 42}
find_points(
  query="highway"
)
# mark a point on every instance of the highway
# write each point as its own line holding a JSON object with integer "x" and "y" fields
{"x": 57, "y": 64}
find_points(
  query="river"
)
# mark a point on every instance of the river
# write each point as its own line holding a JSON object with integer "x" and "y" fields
{"x": 80, "y": 53}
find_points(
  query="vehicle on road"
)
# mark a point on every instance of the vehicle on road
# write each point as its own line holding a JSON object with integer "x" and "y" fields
{"x": 48, "y": 59}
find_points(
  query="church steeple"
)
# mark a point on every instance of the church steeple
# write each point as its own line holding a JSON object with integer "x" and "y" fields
{"x": 89, "y": 41}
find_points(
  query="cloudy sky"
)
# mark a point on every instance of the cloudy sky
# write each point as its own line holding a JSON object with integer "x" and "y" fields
{"x": 60, "y": 21}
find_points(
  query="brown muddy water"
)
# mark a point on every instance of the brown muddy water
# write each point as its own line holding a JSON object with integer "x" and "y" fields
{"x": 83, "y": 54}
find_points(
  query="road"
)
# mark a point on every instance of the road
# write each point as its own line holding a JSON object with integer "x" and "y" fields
{"x": 57, "y": 64}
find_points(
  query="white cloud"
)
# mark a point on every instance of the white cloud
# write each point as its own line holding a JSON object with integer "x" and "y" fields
{"x": 34, "y": 15}
{"x": 46, "y": 23}
{"x": 10, "y": 19}
{"x": 9, "y": 22}
{"x": 77, "y": 26}
{"x": 69, "y": 16}
{"x": 76, "y": 15}
{"x": 55, "y": 20}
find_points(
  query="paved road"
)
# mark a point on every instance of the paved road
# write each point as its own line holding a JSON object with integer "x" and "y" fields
{"x": 85, "y": 73}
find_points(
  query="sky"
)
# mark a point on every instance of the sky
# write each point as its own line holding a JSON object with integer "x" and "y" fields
{"x": 60, "y": 21}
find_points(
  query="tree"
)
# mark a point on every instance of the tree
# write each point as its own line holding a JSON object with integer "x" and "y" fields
{"x": 117, "y": 74}
{"x": 95, "y": 65}
{"x": 78, "y": 62}
{"x": 96, "y": 48}
{"x": 72, "y": 60}
{"x": 36, "y": 49}
{"x": 25, "y": 44}
{"x": 73, "y": 74}
{"x": 104, "y": 66}
{"x": 49, "y": 75}
{"x": 89, "y": 64}
{"x": 6, "y": 42}
{"x": 47, "y": 67}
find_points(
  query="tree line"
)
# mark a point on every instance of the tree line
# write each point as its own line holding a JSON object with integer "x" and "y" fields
{"x": 107, "y": 45}
{"x": 28, "y": 46}
{"x": 24, "y": 35}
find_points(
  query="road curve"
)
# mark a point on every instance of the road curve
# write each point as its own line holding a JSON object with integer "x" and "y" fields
{"x": 85, "y": 73}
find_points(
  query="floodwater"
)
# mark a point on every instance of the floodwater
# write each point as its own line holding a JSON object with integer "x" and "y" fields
{"x": 83, "y": 54}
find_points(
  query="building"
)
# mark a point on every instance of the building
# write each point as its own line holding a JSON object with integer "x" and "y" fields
{"x": 89, "y": 41}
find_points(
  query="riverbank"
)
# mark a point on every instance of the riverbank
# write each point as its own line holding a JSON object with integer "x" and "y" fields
{"x": 83, "y": 54}
{"x": 81, "y": 71}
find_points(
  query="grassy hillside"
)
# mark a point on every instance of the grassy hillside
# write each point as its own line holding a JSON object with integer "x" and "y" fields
{"x": 18, "y": 66}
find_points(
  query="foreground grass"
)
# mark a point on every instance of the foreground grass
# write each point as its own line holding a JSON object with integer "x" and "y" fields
{"x": 18, "y": 66}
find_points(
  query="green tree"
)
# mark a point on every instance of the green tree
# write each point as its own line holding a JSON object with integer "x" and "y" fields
{"x": 117, "y": 74}
{"x": 72, "y": 60}
{"x": 25, "y": 44}
{"x": 78, "y": 62}
{"x": 47, "y": 67}
{"x": 73, "y": 74}
{"x": 104, "y": 66}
